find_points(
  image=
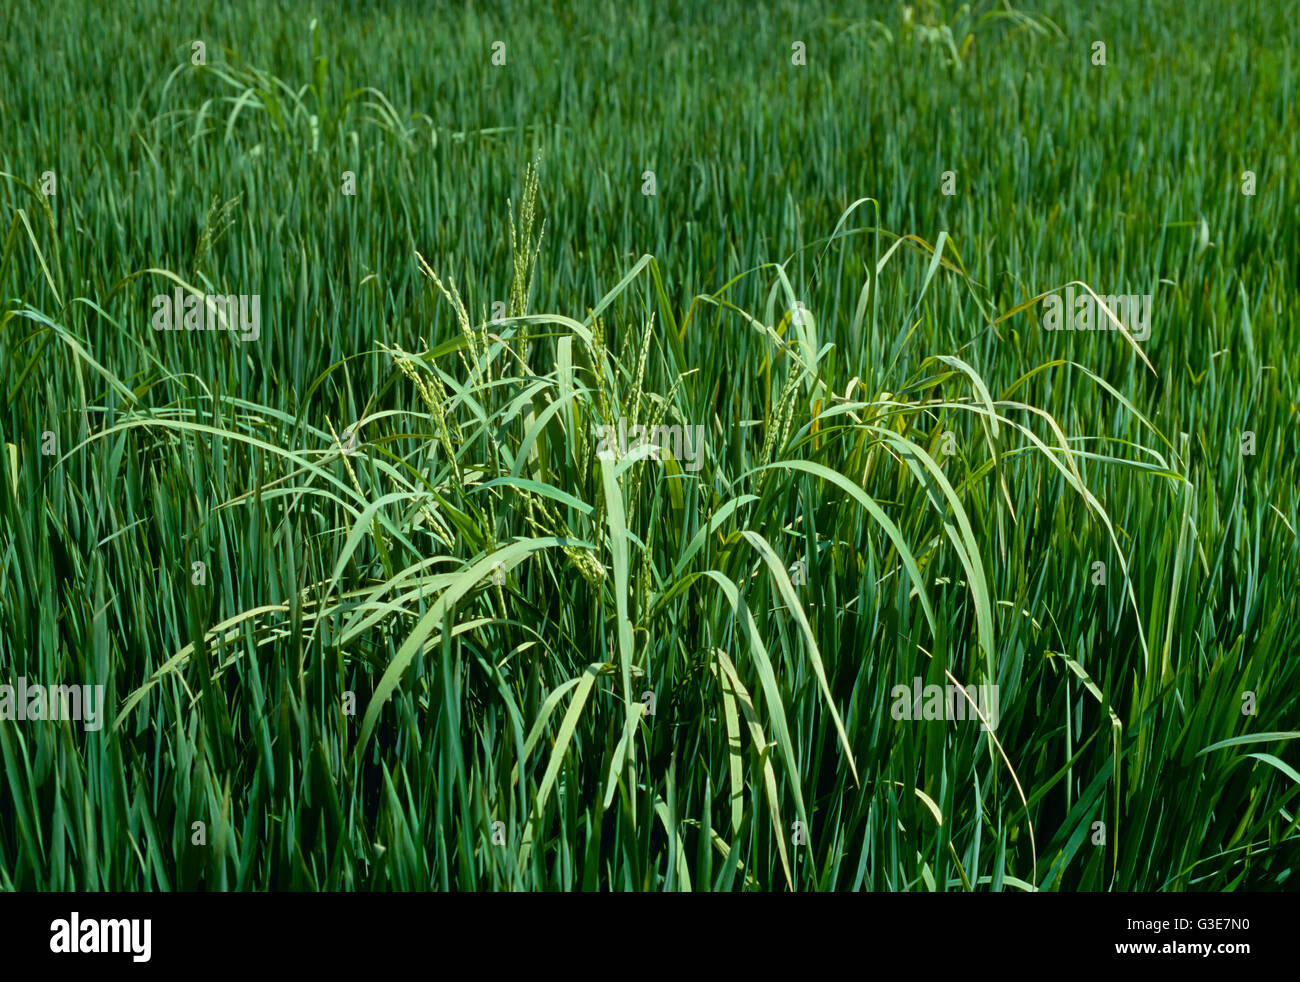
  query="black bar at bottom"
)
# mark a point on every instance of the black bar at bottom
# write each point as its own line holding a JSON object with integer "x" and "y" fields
{"x": 501, "y": 932}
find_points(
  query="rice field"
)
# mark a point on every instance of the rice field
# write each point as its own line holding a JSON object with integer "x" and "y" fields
{"x": 649, "y": 447}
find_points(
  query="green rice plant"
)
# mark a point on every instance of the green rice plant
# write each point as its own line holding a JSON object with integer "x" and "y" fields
{"x": 385, "y": 601}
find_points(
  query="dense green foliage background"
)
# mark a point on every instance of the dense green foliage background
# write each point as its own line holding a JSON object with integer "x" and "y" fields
{"x": 518, "y": 700}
